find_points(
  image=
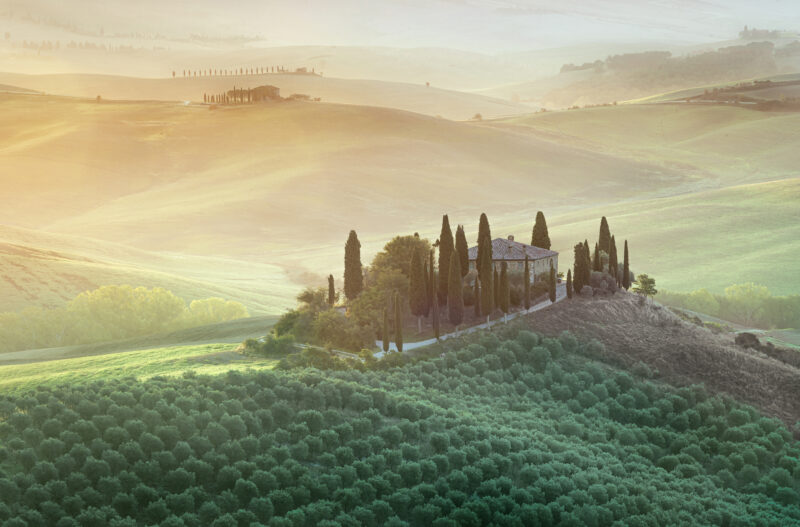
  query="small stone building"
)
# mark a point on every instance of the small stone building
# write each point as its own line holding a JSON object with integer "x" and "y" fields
{"x": 513, "y": 253}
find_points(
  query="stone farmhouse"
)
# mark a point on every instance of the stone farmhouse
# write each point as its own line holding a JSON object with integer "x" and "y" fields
{"x": 513, "y": 253}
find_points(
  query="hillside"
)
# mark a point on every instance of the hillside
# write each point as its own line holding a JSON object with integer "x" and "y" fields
{"x": 410, "y": 97}
{"x": 46, "y": 270}
{"x": 217, "y": 183}
{"x": 709, "y": 239}
{"x": 485, "y": 431}
{"x": 680, "y": 352}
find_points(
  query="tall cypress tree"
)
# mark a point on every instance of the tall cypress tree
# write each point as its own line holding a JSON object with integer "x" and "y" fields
{"x": 605, "y": 236}
{"x": 455, "y": 299}
{"x": 503, "y": 301}
{"x": 497, "y": 290}
{"x": 552, "y": 283}
{"x": 587, "y": 267}
{"x": 597, "y": 263}
{"x": 462, "y": 250}
{"x": 331, "y": 291}
{"x": 477, "y": 296}
{"x": 427, "y": 288}
{"x": 577, "y": 277}
{"x": 353, "y": 274}
{"x": 570, "y": 290}
{"x": 435, "y": 307}
{"x": 626, "y": 269}
{"x": 431, "y": 285}
{"x": 484, "y": 265}
{"x": 540, "y": 237}
{"x": 385, "y": 329}
{"x": 417, "y": 296}
{"x": 398, "y": 322}
{"x": 613, "y": 261}
{"x": 446, "y": 249}
{"x": 527, "y": 286}
{"x": 484, "y": 237}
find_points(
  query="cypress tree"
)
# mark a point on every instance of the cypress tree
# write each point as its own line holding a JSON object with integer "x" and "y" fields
{"x": 484, "y": 236}
{"x": 331, "y": 291}
{"x": 577, "y": 276}
{"x": 417, "y": 295}
{"x": 431, "y": 285}
{"x": 385, "y": 329}
{"x": 587, "y": 266}
{"x": 540, "y": 237}
{"x": 484, "y": 265}
{"x": 503, "y": 301}
{"x": 455, "y": 300}
{"x": 435, "y": 307}
{"x": 353, "y": 274}
{"x": 462, "y": 250}
{"x": 552, "y": 284}
{"x": 446, "y": 249}
{"x": 569, "y": 284}
{"x": 605, "y": 236}
{"x": 527, "y": 287}
{"x": 427, "y": 287}
{"x": 597, "y": 263}
{"x": 626, "y": 269}
{"x": 477, "y": 296}
{"x": 497, "y": 290}
{"x": 398, "y": 323}
{"x": 613, "y": 261}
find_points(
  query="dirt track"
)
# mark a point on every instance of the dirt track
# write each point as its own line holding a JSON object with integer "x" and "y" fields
{"x": 680, "y": 351}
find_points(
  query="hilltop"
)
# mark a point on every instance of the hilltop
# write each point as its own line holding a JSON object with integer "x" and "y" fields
{"x": 419, "y": 98}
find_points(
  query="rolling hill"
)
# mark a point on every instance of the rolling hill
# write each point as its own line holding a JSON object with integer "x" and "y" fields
{"x": 411, "y": 97}
{"x": 269, "y": 184}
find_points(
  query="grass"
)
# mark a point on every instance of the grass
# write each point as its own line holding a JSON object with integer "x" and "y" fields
{"x": 172, "y": 361}
{"x": 713, "y": 239}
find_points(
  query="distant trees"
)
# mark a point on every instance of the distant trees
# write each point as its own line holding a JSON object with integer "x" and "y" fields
{"x": 446, "y": 249}
{"x": 455, "y": 301}
{"x": 385, "y": 332}
{"x": 353, "y": 273}
{"x": 582, "y": 267}
{"x": 552, "y": 283}
{"x": 597, "y": 263}
{"x": 613, "y": 261}
{"x": 539, "y": 236}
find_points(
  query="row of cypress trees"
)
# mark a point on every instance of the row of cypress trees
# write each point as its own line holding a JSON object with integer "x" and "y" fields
{"x": 585, "y": 262}
{"x": 429, "y": 289}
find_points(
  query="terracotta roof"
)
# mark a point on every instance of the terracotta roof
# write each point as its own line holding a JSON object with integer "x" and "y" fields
{"x": 505, "y": 249}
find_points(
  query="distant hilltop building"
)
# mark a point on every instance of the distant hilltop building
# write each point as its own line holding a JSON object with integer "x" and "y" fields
{"x": 513, "y": 253}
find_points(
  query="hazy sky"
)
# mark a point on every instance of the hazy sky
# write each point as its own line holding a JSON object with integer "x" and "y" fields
{"x": 476, "y": 25}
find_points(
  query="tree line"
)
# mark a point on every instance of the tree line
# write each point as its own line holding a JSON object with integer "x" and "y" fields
{"x": 111, "y": 313}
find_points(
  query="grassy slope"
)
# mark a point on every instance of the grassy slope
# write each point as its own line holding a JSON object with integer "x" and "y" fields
{"x": 173, "y": 361}
{"x": 709, "y": 239}
{"x": 411, "y": 97}
{"x": 47, "y": 269}
{"x": 269, "y": 184}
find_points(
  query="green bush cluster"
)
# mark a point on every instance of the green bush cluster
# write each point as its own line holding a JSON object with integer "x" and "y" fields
{"x": 493, "y": 431}
{"x": 109, "y": 313}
